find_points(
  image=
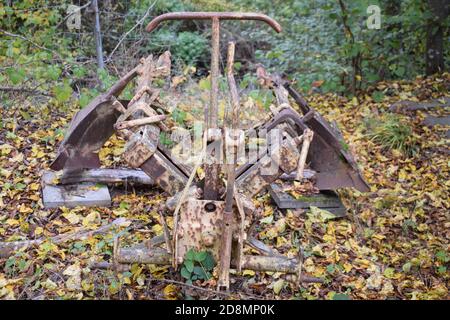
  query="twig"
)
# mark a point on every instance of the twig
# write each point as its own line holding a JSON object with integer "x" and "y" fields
{"x": 140, "y": 21}
{"x": 27, "y": 90}
{"x": 30, "y": 41}
{"x": 6, "y": 248}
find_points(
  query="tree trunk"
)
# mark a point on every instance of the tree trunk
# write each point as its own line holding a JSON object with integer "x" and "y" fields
{"x": 434, "y": 55}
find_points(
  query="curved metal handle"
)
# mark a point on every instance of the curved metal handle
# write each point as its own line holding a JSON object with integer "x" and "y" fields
{"x": 213, "y": 15}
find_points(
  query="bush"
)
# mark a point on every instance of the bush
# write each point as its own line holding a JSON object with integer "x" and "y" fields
{"x": 189, "y": 47}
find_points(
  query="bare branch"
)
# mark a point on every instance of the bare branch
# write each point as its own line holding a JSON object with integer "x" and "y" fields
{"x": 30, "y": 41}
{"x": 140, "y": 21}
{"x": 27, "y": 90}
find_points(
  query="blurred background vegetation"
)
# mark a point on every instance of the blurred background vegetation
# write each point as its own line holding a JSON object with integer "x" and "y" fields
{"x": 325, "y": 45}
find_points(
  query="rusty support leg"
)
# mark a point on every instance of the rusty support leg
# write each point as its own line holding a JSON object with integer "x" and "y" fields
{"x": 211, "y": 190}
{"x": 227, "y": 236}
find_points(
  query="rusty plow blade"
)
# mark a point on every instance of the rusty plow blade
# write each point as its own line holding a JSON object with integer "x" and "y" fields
{"x": 328, "y": 154}
{"x": 333, "y": 165}
{"x": 91, "y": 127}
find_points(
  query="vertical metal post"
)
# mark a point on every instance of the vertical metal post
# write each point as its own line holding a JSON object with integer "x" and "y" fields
{"x": 227, "y": 230}
{"x": 211, "y": 188}
{"x": 215, "y": 54}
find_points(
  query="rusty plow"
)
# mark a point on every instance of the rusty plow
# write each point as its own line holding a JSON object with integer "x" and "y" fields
{"x": 213, "y": 213}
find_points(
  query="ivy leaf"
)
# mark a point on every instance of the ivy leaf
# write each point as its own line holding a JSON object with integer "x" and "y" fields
{"x": 189, "y": 265}
{"x": 278, "y": 285}
{"x": 400, "y": 71}
{"x": 190, "y": 255}
{"x": 185, "y": 273}
{"x": 200, "y": 273}
{"x": 377, "y": 96}
{"x": 209, "y": 262}
{"x": 20, "y": 186}
{"x": 200, "y": 256}
{"x": 341, "y": 296}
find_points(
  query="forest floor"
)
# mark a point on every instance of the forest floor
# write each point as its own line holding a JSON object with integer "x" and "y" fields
{"x": 393, "y": 244}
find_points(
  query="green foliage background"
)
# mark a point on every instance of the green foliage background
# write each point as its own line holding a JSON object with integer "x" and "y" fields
{"x": 314, "y": 45}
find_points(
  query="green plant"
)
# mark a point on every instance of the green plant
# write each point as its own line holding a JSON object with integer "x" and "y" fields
{"x": 197, "y": 265}
{"x": 392, "y": 133}
{"x": 189, "y": 47}
{"x": 16, "y": 264}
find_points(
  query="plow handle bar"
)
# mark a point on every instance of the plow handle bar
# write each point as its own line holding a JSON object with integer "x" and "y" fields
{"x": 212, "y": 15}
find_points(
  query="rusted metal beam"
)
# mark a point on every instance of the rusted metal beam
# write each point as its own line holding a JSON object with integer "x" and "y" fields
{"x": 211, "y": 15}
{"x": 107, "y": 176}
{"x": 227, "y": 236}
{"x": 212, "y": 181}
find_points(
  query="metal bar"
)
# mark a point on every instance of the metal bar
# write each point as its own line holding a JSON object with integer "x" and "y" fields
{"x": 211, "y": 188}
{"x": 215, "y": 55}
{"x": 139, "y": 122}
{"x": 211, "y": 15}
{"x": 107, "y": 175}
{"x": 225, "y": 250}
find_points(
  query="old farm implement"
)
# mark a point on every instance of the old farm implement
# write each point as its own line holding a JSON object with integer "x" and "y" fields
{"x": 211, "y": 213}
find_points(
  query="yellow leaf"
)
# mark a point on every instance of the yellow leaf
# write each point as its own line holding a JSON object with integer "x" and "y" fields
{"x": 25, "y": 209}
{"x": 34, "y": 186}
{"x": 91, "y": 218}
{"x": 177, "y": 80}
{"x": 5, "y": 173}
{"x": 248, "y": 273}
{"x": 72, "y": 217}
{"x": 38, "y": 231}
{"x": 278, "y": 285}
{"x": 422, "y": 227}
{"x": 347, "y": 267}
{"x": 157, "y": 229}
{"x": 5, "y": 149}
{"x": 12, "y": 222}
{"x": 17, "y": 158}
{"x": 170, "y": 292}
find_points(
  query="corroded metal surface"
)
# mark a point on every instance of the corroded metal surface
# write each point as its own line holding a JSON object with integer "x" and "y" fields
{"x": 91, "y": 127}
{"x": 282, "y": 159}
{"x": 211, "y": 15}
{"x": 200, "y": 226}
{"x": 328, "y": 155}
{"x": 141, "y": 146}
{"x": 164, "y": 173}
